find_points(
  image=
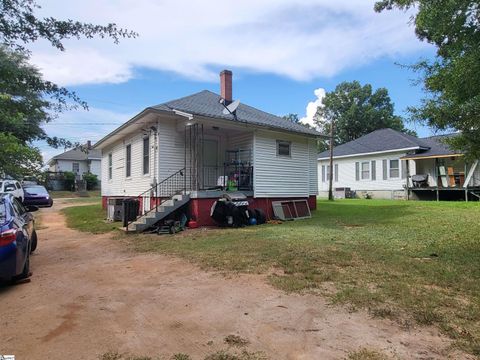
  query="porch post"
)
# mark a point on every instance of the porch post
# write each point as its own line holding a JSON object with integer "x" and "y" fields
{"x": 436, "y": 178}
{"x": 408, "y": 178}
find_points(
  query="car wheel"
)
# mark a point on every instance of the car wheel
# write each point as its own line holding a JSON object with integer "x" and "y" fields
{"x": 26, "y": 269}
{"x": 34, "y": 241}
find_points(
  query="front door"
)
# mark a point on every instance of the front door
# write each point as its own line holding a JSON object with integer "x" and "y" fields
{"x": 210, "y": 170}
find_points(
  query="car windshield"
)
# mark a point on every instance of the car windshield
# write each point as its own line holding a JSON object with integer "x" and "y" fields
{"x": 3, "y": 211}
{"x": 37, "y": 190}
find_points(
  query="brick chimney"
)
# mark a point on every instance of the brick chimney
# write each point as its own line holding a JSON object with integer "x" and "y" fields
{"x": 226, "y": 86}
{"x": 89, "y": 145}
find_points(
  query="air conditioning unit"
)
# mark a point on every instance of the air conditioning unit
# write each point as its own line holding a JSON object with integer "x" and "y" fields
{"x": 115, "y": 209}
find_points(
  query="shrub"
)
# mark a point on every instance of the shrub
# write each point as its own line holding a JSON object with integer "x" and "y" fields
{"x": 91, "y": 180}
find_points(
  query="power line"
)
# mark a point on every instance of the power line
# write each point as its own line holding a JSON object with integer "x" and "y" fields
{"x": 83, "y": 123}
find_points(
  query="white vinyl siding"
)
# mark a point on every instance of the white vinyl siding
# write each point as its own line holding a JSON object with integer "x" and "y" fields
{"x": 281, "y": 176}
{"x": 350, "y": 173}
{"x": 120, "y": 185}
{"x": 96, "y": 168}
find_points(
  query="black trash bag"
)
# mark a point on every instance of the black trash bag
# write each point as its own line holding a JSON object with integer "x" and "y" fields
{"x": 260, "y": 216}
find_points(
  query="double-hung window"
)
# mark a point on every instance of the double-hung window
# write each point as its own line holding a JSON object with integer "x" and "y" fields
{"x": 128, "y": 160}
{"x": 146, "y": 155}
{"x": 365, "y": 170}
{"x": 110, "y": 166}
{"x": 394, "y": 170}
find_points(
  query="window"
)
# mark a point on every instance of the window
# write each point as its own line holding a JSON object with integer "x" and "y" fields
{"x": 128, "y": 162}
{"x": 146, "y": 155}
{"x": 76, "y": 167}
{"x": 394, "y": 168}
{"x": 9, "y": 187}
{"x": 374, "y": 170}
{"x": 18, "y": 185}
{"x": 283, "y": 148}
{"x": 110, "y": 166}
{"x": 3, "y": 211}
{"x": 19, "y": 209}
{"x": 365, "y": 170}
{"x": 326, "y": 173}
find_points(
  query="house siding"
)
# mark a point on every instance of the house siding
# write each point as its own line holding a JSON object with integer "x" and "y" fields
{"x": 120, "y": 185}
{"x": 171, "y": 149}
{"x": 96, "y": 167}
{"x": 347, "y": 177}
{"x": 281, "y": 176}
{"x": 67, "y": 165}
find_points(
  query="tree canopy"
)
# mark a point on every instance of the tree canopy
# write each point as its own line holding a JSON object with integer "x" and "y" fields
{"x": 451, "y": 80}
{"x": 357, "y": 110}
{"x": 27, "y": 101}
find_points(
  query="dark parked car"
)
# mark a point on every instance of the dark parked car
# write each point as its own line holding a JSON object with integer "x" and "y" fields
{"x": 37, "y": 195}
{"x": 17, "y": 238}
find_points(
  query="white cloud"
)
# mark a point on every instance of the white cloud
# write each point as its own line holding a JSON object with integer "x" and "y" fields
{"x": 301, "y": 39}
{"x": 312, "y": 107}
{"x": 81, "y": 126}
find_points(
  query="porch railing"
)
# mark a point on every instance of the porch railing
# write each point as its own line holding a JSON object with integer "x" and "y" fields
{"x": 238, "y": 176}
{"x": 158, "y": 194}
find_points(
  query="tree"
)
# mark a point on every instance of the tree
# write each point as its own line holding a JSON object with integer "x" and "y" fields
{"x": 450, "y": 80}
{"x": 356, "y": 111}
{"x": 292, "y": 117}
{"x": 27, "y": 101}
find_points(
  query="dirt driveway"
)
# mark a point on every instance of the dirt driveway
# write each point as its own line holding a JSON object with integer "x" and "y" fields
{"x": 89, "y": 295}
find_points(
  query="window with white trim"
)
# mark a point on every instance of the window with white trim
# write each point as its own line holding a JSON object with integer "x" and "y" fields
{"x": 128, "y": 160}
{"x": 110, "y": 166}
{"x": 76, "y": 167}
{"x": 365, "y": 170}
{"x": 146, "y": 155}
{"x": 394, "y": 168}
{"x": 284, "y": 148}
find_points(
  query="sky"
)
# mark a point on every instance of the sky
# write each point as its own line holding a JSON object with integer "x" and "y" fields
{"x": 284, "y": 56}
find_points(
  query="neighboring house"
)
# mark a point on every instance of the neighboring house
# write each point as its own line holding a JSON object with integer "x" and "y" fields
{"x": 78, "y": 161}
{"x": 379, "y": 164}
{"x": 192, "y": 145}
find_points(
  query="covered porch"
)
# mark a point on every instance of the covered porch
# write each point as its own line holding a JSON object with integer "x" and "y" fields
{"x": 442, "y": 177}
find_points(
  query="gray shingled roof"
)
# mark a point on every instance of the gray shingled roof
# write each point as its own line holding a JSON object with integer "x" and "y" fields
{"x": 78, "y": 155}
{"x": 436, "y": 146}
{"x": 206, "y": 103}
{"x": 389, "y": 139}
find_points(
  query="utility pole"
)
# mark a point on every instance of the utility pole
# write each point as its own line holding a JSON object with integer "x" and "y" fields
{"x": 330, "y": 180}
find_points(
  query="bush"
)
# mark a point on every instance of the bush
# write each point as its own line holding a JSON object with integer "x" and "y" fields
{"x": 69, "y": 180}
{"x": 91, "y": 180}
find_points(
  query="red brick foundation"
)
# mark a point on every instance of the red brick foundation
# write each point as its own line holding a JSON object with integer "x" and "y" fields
{"x": 199, "y": 209}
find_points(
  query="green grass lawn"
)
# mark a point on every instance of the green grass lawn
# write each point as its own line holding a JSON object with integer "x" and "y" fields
{"x": 413, "y": 262}
{"x": 72, "y": 194}
{"x": 89, "y": 218}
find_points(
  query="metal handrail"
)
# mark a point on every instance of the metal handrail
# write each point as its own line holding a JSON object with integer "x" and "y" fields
{"x": 166, "y": 188}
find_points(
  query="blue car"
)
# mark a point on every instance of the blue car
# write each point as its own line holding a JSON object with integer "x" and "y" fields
{"x": 18, "y": 238}
{"x": 37, "y": 195}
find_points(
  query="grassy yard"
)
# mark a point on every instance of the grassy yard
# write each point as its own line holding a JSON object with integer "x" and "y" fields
{"x": 89, "y": 218}
{"x": 413, "y": 262}
{"x": 72, "y": 194}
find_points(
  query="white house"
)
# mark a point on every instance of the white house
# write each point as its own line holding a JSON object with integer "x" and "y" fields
{"x": 194, "y": 146}
{"x": 78, "y": 160}
{"x": 379, "y": 164}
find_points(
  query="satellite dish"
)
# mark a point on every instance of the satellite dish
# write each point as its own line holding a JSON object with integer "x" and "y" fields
{"x": 230, "y": 109}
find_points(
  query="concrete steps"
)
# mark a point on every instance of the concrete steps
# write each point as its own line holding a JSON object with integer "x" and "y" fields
{"x": 148, "y": 220}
